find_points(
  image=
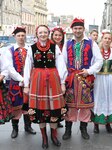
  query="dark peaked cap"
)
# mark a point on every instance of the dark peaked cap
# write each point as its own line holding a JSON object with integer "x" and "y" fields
{"x": 19, "y": 29}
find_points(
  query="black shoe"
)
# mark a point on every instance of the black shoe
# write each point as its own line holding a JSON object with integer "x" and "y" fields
{"x": 30, "y": 130}
{"x": 96, "y": 128}
{"x": 83, "y": 128}
{"x": 108, "y": 128}
{"x": 27, "y": 124}
{"x": 84, "y": 134}
{"x": 67, "y": 134}
{"x": 14, "y": 133}
{"x": 45, "y": 145}
{"x": 56, "y": 141}
{"x": 44, "y": 138}
{"x": 60, "y": 125}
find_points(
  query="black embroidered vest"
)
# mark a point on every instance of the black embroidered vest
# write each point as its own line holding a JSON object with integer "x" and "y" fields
{"x": 44, "y": 59}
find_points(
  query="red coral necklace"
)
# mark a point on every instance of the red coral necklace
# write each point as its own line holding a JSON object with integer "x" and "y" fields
{"x": 43, "y": 48}
{"x": 106, "y": 54}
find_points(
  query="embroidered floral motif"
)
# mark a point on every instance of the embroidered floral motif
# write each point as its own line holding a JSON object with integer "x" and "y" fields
{"x": 46, "y": 113}
{"x": 37, "y": 56}
{"x": 50, "y": 55}
{"x": 86, "y": 50}
{"x": 32, "y": 118}
{"x": 70, "y": 55}
{"x": 19, "y": 59}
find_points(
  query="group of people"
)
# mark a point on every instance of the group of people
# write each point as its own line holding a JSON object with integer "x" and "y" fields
{"x": 53, "y": 80}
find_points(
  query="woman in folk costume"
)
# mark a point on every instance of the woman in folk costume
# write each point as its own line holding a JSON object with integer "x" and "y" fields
{"x": 17, "y": 55}
{"x": 103, "y": 87}
{"x": 57, "y": 36}
{"x": 5, "y": 102}
{"x": 46, "y": 84}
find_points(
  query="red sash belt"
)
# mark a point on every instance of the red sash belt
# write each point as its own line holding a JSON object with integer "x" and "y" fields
{"x": 73, "y": 72}
{"x": 70, "y": 78}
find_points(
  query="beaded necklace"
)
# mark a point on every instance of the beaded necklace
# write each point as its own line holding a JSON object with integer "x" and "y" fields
{"x": 43, "y": 48}
{"x": 106, "y": 54}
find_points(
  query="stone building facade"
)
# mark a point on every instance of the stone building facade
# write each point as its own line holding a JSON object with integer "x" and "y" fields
{"x": 29, "y": 13}
{"x": 107, "y": 16}
{"x": 28, "y": 18}
{"x": 39, "y": 9}
{"x": 10, "y": 16}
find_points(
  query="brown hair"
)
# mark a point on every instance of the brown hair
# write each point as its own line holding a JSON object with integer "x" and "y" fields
{"x": 61, "y": 31}
{"x": 94, "y": 30}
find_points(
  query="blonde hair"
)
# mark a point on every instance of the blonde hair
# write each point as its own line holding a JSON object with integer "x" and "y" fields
{"x": 101, "y": 43}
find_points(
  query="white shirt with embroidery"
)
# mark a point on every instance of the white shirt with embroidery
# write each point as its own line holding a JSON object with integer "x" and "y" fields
{"x": 96, "y": 62}
{"x": 11, "y": 70}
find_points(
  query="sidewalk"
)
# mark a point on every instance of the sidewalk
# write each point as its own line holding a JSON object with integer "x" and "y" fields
{"x": 25, "y": 141}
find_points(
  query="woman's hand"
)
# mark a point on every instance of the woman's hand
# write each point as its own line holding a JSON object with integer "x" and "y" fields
{"x": 1, "y": 77}
{"x": 21, "y": 84}
{"x": 63, "y": 88}
{"x": 26, "y": 90}
{"x": 31, "y": 112}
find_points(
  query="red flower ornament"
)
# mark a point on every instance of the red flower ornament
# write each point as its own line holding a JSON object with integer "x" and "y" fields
{"x": 50, "y": 56}
{"x": 86, "y": 50}
{"x": 37, "y": 56}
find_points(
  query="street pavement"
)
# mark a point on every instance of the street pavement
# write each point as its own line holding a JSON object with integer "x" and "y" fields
{"x": 25, "y": 141}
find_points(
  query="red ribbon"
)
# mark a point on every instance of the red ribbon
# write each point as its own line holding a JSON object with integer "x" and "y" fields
{"x": 1, "y": 98}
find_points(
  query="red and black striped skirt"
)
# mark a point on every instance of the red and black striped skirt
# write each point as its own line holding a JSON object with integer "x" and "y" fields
{"x": 46, "y": 96}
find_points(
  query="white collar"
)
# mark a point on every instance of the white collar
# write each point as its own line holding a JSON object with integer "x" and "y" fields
{"x": 84, "y": 38}
{"x": 16, "y": 46}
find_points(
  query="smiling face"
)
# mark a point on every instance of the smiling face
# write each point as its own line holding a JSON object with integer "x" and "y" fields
{"x": 42, "y": 33}
{"x": 78, "y": 31}
{"x": 57, "y": 37}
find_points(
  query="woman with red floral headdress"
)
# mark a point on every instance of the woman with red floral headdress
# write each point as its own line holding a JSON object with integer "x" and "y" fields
{"x": 44, "y": 80}
{"x": 103, "y": 86}
{"x": 58, "y": 36}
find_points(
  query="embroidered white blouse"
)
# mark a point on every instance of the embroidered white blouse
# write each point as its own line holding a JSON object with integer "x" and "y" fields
{"x": 3, "y": 63}
{"x": 60, "y": 65}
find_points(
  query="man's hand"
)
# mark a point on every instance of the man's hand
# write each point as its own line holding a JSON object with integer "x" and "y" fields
{"x": 63, "y": 88}
{"x": 84, "y": 72}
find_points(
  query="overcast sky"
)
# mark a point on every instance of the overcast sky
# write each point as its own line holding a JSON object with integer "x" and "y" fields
{"x": 90, "y": 10}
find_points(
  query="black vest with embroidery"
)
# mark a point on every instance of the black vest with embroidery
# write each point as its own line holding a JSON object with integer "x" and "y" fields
{"x": 44, "y": 59}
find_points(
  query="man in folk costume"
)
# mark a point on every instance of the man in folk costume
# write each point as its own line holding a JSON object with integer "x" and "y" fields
{"x": 83, "y": 60}
{"x": 17, "y": 55}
